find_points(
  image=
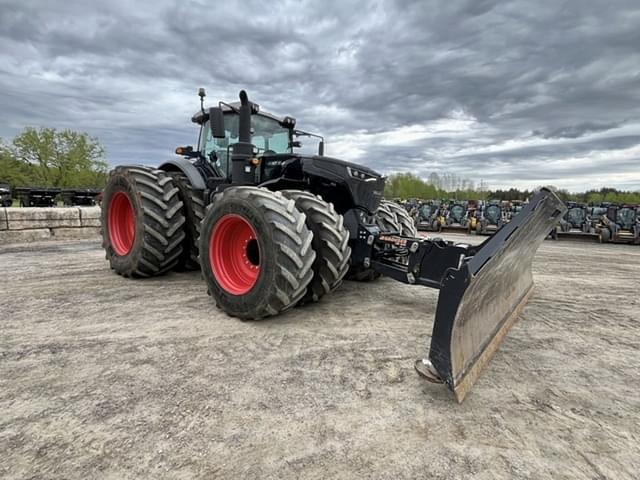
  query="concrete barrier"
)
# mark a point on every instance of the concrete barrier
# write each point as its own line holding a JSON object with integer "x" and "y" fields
{"x": 23, "y": 225}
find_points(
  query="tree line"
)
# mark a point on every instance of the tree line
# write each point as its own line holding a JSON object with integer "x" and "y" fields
{"x": 451, "y": 186}
{"x": 47, "y": 157}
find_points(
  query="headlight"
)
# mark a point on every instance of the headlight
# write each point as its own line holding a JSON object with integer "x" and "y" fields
{"x": 361, "y": 175}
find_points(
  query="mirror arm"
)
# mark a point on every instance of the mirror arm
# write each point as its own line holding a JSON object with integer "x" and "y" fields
{"x": 302, "y": 133}
{"x": 233, "y": 109}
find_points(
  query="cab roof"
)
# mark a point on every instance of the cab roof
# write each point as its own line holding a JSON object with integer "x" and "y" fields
{"x": 200, "y": 118}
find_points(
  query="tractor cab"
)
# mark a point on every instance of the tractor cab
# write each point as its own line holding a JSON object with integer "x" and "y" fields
{"x": 576, "y": 219}
{"x": 272, "y": 138}
{"x": 456, "y": 213}
{"x": 428, "y": 213}
{"x": 491, "y": 218}
{"x": 425, "y": 211}
{"x": 625, "y": 217}
{"x": 270, "y": 135}
{"x": 493, "y": 214}
{"x": 576, "y": 215}
{"x": 454, "y": 216}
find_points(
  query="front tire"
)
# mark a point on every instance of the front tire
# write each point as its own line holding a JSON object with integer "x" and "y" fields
{"x": 403, "y": 220}
{"x": 142, "y": 222}
{"x": 330, "y": 242}
{"x": 386, "y": 219}
{"x": 256, "y": 252}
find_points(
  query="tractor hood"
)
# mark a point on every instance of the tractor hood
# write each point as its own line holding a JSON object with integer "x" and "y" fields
{"x": 365, "y": 185}
{"x": 343, "y": 163}
{"x": 356, "y": 184}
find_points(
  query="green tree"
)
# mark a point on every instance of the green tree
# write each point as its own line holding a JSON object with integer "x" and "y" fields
{"x": 13, "y": 171}
{"x": 60, "y": 158}
{"x": 407, "y": 185}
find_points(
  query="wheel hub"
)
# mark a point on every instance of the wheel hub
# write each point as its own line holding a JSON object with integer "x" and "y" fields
{"x": 234, "y": 254}
{"x": 121, "y": 220}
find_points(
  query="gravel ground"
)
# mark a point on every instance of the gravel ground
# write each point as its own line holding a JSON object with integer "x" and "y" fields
{"x": 103, "y": 377}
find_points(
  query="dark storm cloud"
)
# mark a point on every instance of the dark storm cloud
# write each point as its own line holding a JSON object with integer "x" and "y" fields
{"x": 576, "y": 131}
{"x": 513, "y": 92}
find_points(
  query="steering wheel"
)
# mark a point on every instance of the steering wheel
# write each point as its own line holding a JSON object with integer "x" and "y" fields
{"x": 268, "y": 153}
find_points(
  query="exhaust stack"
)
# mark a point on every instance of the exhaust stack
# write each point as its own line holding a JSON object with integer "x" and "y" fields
{"x": 242, "y": 170}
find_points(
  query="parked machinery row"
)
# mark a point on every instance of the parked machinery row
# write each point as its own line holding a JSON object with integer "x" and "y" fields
{"x": 471, "y": 216}
{"x": 47, "y": 197}
{"x": 606, "y": 222}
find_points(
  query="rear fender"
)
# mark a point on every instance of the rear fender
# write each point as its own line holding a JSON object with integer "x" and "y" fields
{"x": 188, "y": 169}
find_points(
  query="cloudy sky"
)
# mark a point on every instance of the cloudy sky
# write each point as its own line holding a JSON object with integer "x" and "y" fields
{"x": 517, "y": 93}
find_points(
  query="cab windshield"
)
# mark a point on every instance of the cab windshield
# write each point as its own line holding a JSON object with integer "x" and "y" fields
{"x": 576, "y": 216}
{"x": 626, "y": 217}
{"x": 493, "y": 214}
{"x": 267, "y": 135}
{"x": 457, "y": 212}
{"x": 425, "y": 211}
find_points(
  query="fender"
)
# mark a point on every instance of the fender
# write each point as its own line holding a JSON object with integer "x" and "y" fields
{"x": 185, "y": 166}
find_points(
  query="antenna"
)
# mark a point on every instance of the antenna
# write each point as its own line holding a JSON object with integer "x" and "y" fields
{"x": 201, "y": 94}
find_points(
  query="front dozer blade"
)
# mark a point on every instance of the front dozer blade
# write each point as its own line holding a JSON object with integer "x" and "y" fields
{"x": 481, "y": 300}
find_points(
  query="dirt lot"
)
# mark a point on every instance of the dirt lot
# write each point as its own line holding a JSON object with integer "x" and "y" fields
{"x": 103, "y": 377}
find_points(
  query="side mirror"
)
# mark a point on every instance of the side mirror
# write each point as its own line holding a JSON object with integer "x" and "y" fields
{"x": 296, "y": 144}
{"x": 321, "y": 148}
{"x": 216, "y": 122}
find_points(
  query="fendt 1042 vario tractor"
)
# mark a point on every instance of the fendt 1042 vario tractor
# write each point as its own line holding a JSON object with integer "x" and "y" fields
{"x": 272, "y": 229}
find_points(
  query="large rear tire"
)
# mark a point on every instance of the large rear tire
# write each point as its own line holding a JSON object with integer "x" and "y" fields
{"x": 142, "y": 222}
{"x": 330, "y": 242}
{"x": 403, "y": 219}
{"x": 193, "y": 209}
{"x": 256, "y": 252}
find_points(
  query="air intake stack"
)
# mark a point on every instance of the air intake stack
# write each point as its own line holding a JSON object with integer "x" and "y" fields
{"x": 242, "y": 169}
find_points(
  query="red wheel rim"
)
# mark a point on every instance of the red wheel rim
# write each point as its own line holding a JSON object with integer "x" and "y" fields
{"x": 122, "y": 223}
{"x": 234, "y": 254}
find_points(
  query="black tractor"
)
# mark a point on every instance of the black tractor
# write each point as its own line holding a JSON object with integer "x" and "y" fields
{"x": 272, "y": 229}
